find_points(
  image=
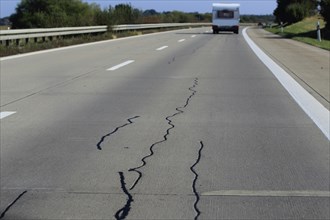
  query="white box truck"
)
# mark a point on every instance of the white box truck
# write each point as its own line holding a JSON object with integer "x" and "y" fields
{"x": 225, "y": 17}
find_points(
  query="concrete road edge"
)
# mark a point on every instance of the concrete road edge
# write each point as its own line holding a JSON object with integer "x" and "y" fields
{"x": 314, "y": 109}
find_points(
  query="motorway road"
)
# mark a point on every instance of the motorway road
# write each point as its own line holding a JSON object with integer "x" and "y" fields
{"x": 191, "y": 125}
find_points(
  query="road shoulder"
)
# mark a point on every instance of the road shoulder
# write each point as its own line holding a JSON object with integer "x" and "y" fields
{"x": 308, "y": 65}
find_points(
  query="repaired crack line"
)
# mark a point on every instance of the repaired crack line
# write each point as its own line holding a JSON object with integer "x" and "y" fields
{"x": 11, "y": 204}
{"x": 99, "y": 144}
{"x": 123, "y": 212}
{"x": 198, "y": 212}
{"x": 165, "y": 137}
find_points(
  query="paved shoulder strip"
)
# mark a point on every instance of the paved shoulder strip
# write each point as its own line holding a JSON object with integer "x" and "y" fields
{"x": 315, "y": 110}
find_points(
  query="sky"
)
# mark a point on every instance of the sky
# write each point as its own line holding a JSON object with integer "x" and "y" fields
{"x": 258, "y": 7}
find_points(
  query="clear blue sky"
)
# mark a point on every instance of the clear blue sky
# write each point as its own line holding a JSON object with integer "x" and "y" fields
{"x": 7, "y": 7}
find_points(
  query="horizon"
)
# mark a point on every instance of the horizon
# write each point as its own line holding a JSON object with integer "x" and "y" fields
{"x": 248, "y": 7}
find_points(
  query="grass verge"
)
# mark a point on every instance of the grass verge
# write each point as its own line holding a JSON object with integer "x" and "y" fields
{"x": 305, "y": 31}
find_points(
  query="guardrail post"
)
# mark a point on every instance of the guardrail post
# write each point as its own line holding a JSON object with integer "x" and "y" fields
{"x": 35, "y": 40}
{"x": 43, "y": 39}
{"x": 26, "y": 40}
{"x": 318, "y": 30}
{"x": 17, "y": 42}
{"x": 7, "y": 43}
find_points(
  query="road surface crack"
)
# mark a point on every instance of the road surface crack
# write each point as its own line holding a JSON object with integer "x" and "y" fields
{"x": 99, "y": 144}
{"x": 11, "y": 204}
{"x": 192, "y": 168}
{"x": 123, "y": 212}
{"x": 179, "y": 110}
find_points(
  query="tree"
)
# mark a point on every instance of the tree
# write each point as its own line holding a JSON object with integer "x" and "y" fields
{"x": 325, "y": 12}
{"x": 291, "y": 11}
{"x": 125, "y": 14}
{"x": 295, "y": 12}
{"x": 54, "y": 13}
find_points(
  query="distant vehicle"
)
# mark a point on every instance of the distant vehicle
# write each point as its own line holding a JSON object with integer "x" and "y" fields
{"x": 225, "y": 17}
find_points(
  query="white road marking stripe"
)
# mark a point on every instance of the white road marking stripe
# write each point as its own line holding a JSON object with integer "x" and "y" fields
{"x": 267, "y": 193}
{"x": 5, "y": 114}
{"x": 181, "y": 40}
{"x": 315, "y": 110}
{"x": 193, "y": 36}
{"x": 120, "y": 65}
{"x": 162, "y": 48}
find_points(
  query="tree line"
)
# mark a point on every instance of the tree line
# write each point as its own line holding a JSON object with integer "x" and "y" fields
{"x": 292, "y": 11}
{"x": 71, "y": 13}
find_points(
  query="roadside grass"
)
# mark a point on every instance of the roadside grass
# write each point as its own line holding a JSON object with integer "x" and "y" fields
{"x": 305, "y": 31}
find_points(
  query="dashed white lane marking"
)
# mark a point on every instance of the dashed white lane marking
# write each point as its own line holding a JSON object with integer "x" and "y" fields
{"x": 121, "y": 65}
{"x": 314, "y": 109}
{"x": 266, "y": 193}
{"x": 162, "y": 48}
{"x": 5, "y": 114}
{"x": 181, "y": 40}
{"x": 193, "y": 35}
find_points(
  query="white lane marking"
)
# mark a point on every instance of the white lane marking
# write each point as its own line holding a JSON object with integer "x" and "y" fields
{"x": 120, "y": 65}
{"x": 267, "y": 193}
{"x": 162, "y": 48}
{"x": 193, "y": 35}
{"x": 5, "y": 114}
{"x": 181, "y": 40}
{"x": 315, "y": 110}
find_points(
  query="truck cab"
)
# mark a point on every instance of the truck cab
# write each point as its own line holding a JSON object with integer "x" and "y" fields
{"x": 225, "y": 17}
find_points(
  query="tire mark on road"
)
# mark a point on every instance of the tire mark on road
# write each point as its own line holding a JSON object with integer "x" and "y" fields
{"x": 99, "y": 144}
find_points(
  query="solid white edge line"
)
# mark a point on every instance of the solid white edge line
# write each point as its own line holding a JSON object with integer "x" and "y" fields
{"x": 120, "y": 65}
{"x": 181, "y": 40}
{"x": 267, "y": 193}
{"x": 314, "y": 109}
{"x": 162, "y": 48}
{"x": 5, "y": 114}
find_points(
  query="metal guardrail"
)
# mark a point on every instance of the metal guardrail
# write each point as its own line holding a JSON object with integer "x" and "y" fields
{"x": 155, "y": 26}
{"x": 9, "y": 35}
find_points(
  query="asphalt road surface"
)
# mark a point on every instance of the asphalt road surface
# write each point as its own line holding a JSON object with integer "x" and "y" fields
{"x": 177, "y": 125}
